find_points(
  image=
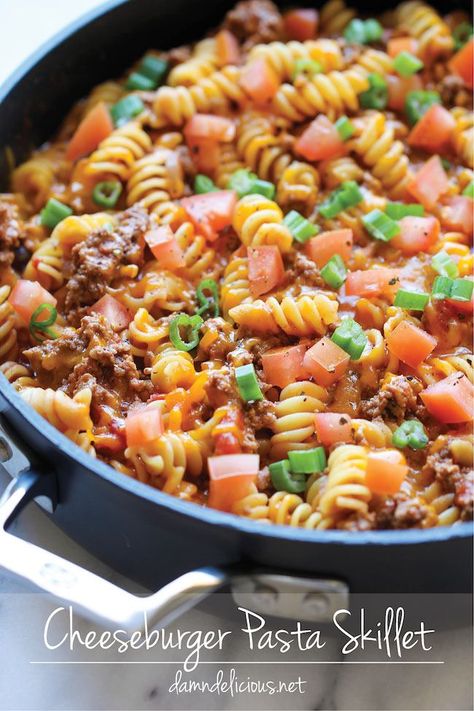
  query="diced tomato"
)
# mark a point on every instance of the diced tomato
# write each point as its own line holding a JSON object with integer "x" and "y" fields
{"x": 320, "y": 141}
{"x": 230, "y": 478}
{"x": 209, "y": 127}
{"x": 372, "y": 282}
{"x": 429, "y": 183}
{"x": 386, "y": 471}
{"x": 401, "y": 44}
{"x": 332, "y": 427}
{"x": 27, "y": 296}
{"x": 417, "y": 234}
{"x": 265, "y": 268}
{"x": 94, "y": 127}
{"x": 115, "y": 312}
{"x": 434, "y": 131}
{"x": 164, "y": 247}
{"x": 228, "y": 433}
{"x": 282, "y": 366}
{"x": 458, "y": 214}
{"x": 326, "y": 362}
{"x": 259, "y": 81}
{"x": 227, "y": 48}
{"x": 227, "y": 443}
{"x": 462, "y": 307}
{"x": 205, "y": 155}
{"x": 462, "y": 63}
{"x": 143, "y": 425}
{"x": 410, "y": 344}
{"x": 301, "y": 24}
{"x": 211, "y": 212}
{"x": 325, "y": 245}
{"x": 451, "y": 399}
{"x": 399, "y": 87}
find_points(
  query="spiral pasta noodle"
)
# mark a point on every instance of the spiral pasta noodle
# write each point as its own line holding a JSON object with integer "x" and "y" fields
{"x": 59, "y": 409}
{"x": 259, "y": 221}
{"x": 8, "y": 334}
{"x": 294, "y": 427}
{"x": 345, "y": 491}
{"x": 117, "y": 154}
{"x": 424, "y": 23}
{"x": 151, "y": 184}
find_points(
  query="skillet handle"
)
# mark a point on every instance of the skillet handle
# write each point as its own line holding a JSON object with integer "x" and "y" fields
{"x": 97, "y": 598}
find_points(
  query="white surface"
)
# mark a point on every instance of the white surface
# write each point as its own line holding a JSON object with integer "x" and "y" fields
{"x": 24, "y": 25}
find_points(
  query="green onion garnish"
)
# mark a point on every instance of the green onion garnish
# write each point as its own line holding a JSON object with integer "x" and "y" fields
{"x": 309, "y": 67}
{"x": 139, "y": 82}
{"x": 247, "y": 383}
{"x": 334, "y": 272}
{"x": 284, "y": 480}
{"x": 126, "y": 109}
{"x": 350, "y": 337}
{"x": 406, "y": 64}
{"x": 457, "y": 289}
{"x": 154, "y": 68}
{"x": 462, "y": 33}
{"x": 203, "y": 184}
{"x": 411, "y": 433}
{"x": 347, "y": 195}
{"x": 107, "y": 193}
{"x": 41, "y": 326}
{"x": 411, "y": 300}
{"x": 54, "y": 212}
{"x": 441, "y": 288}
{"x": 345, "y": 127}
{"x": 469, "y": 190}
{"x": 399, "y": 210}
{"x": 380, "y": 225}
{"x": 363, "y": 31}
{"x": 244, "y": 182}
{"x": 444, "y": 265}
{"x": 191, "y": 324}
{"x": 208, "y": 303}
{"x": 417, "y": 103}
{"x": 301, "y": 228}
{"x": 376, "y": 96}
{"x": 307, "y": 461}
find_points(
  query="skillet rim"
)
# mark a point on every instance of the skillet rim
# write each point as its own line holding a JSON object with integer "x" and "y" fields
{"x": 133, "y": 487}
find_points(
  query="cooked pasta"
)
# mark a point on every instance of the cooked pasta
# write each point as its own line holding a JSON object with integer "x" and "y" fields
{"x": 252, "y": 288}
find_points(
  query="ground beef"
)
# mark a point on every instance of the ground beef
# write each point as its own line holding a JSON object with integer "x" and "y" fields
{"x": 358, "y": 522}
{"x": 397, "y": 399}
{"x": 221, "y": 388}
{"x": 93, "y": 356}
{"x": 452, "y": 91}
{"x": 264, "y": 479}
{"x": 10, "y": 232}
{"x": 96, "y": 262}
{"x": 221, "y": 346}
{"x": 303, "y": 271}
{"x": 254, "y": 22}
{"x": 400, "y": 511}
{"x": 453, "y": 478}
{"x": 260, "y": 415}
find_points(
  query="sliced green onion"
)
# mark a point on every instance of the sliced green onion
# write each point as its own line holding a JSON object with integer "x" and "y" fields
{"x": 417, "y": 103}
{"x": 347, "y": 195}
{"x": 54, "y": 212}
{"x": 191, "y": 324}
{"x": 406, "y": 64}
{"x": 203, "y": 184}
{"x": 411, "y": 300}
{"x": 345, "y": 127}
{"x": 284, "y": 480}
{"x": 334, "y": 272}
{"x": 307, "y": 461}
{"x": 446, "y": 163}
{"x": 461, "y": 290}
{"x": 244, "y": 182}
{"x": 310, "y": 67}
{"x": 380, "y": 225}
{"x": 411, "y": 433}
{"x": 107, "y": 193}
{"x": 38, "y": 325}
{"x": 263, "y": 187}
{"x": 247, "y": 383}
{"x": 154, "y": 68}
{"x": 441, "y": 288}
{"x": 399, "y": 210}
{"x": 139, "y": 82}
{"x": 444, "y": 265}
{"x": 376, "y": 96}
{"x": 126, "y": 109}
{"x": 301, "y": 228}
{"x": 350, "y": 337}
{"x": 363, "y": 31}
{"x": 208, "y": 304}
{"x": 462, "y": 33}
{"x": 469, "y": 190}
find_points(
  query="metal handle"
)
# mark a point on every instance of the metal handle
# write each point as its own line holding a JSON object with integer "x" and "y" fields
{"x": 95, "y": 596}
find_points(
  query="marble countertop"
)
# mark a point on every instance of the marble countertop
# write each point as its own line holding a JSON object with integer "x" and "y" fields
{"x": 24, "y": 25}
